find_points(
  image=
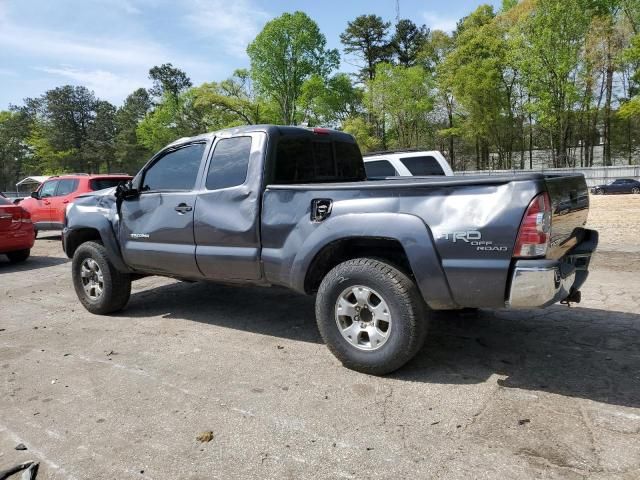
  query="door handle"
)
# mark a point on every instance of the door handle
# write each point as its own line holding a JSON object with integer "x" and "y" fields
{"x": 183, "y": 208}
{"x": 47, "y": 203}
{"x": 65, "y": 201}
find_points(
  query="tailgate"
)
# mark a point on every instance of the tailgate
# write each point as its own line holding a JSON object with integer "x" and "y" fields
{"x": 570, "y": 207}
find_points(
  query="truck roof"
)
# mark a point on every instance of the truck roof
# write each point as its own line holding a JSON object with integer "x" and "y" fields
{"x": 269, "y": 130}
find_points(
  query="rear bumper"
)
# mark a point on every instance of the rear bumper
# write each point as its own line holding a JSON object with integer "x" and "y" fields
{"x": 15, "y": 240}
{"x": 540, "y": 283}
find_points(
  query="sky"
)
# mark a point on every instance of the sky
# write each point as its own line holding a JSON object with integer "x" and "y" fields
{"x": 110, "y": 45}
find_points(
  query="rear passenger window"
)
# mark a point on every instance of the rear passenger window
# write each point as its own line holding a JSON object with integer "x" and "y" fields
{"x": 419, "y": 166}
{"x": 66, "y": 186}
{"x": 177, "y": 170}
{"x": 380, "y": 168}
{"x": 229, "y": 163}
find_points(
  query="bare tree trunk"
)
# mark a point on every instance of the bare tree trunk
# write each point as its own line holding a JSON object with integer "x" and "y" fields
{"x": 606, "y": 155}
{"x": 452, "y": 157}
{"x": 530, "y": 143}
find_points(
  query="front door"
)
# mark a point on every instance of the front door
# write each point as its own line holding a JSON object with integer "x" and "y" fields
{"x": 41, "y": 212}
{"x": 156, "y": 228}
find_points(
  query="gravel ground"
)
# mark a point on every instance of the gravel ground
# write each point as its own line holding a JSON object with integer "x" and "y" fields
{"x": 529, "y": 394}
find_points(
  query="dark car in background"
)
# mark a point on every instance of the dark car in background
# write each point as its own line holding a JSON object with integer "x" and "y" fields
{"x": 622, "y": 185}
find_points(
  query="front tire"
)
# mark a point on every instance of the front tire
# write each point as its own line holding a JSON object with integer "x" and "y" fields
{"x": 100, "y": 287}
{"x": 635, "y": 190}
{"x": 599, "y": 191}
{"x": 371, "y": 316}
{"x": 19, "y": 255}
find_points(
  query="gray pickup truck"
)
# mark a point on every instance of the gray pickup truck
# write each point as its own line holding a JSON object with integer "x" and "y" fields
{"x": 291, "y": 206}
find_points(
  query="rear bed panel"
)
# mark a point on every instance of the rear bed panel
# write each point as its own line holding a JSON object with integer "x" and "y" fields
{"x": 472, "y": 225}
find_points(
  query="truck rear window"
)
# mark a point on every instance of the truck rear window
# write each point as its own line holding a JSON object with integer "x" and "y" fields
{"x": 300, "y": 159}
{"x": 422, "y": 166}
{"x": 102, "y": 183}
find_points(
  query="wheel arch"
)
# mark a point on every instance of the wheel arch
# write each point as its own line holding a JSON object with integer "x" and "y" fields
{"x": 333, "y": 253}
{"x": 100, "y": 231}
{"x": 401, "y": 239}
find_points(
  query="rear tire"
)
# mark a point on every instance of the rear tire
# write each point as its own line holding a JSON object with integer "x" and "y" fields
{"x": 19, "y": 255}
{"x": 370, "y": 349}
{"x": 100, "y": 287}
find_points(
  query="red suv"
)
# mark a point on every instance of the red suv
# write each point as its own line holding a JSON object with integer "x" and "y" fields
{"x": 48, "y": 204}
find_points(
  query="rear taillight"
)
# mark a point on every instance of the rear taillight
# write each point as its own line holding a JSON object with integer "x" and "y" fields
{"x": 535, "y": 229}
{"x": 25, "y": 216}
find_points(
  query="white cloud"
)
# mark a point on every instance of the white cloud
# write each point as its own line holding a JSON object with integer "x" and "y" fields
{"x": 436, "y": 21}
{"x": 126, "y": 6}
{"x": 112, "y": 57}
{"x": 106, "y": 85}
{"x": 50, "y": 44}
{"x": 232, "y": 23}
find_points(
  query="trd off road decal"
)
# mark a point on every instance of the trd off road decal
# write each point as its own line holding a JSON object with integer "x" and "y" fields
{"x": 474, "y": 239}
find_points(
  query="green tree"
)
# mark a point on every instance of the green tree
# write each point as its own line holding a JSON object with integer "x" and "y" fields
{"x": 14, "y": 150}
{"x": 549, "y": 56}
{"x": 101, "y": 135}
{"x": 288, "y": 51}
{"x": 329, "y": 101}
{"x": 61, "y": 119}
{"x": 408, "y": 41}
{"x": 400, "y": 97}
{"x": 631, "y": 108}
{"x": 233, "y": 101}
{"x": 433, "y": 54}
{"x": 130, "y": 154}
{"x": 367, "y": 38}
{"x": 168, "y": 80}
{"x": 363, "y": 133}
{"x": 479, "y": 74}
{"x": 166, "y": 123}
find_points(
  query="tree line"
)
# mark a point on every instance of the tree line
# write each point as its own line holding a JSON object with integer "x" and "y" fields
{"x": 561, "y": 76}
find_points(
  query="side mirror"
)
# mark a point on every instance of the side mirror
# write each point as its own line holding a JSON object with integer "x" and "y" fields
{"x": 126, "y": 191}
{"x": 35, "y": 195}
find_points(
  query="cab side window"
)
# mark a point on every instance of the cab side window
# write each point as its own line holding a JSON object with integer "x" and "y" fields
{"x": 176, "y": 170}
{"x": 48, "y": 189}
{"x": 229, "y": 163}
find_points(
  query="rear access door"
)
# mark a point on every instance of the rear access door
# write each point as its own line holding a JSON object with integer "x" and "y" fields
{"x": 227, "y": 216}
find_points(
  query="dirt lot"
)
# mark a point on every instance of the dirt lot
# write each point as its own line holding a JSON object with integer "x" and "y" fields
{"x": 532, "y": 394}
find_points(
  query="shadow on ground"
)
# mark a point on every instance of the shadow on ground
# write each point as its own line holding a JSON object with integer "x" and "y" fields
{"x": 578, "y": 352}
{"x": 34, "y": 262}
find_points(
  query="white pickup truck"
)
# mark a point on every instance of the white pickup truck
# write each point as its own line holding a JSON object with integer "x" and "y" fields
{"x": 406, "y": 163}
